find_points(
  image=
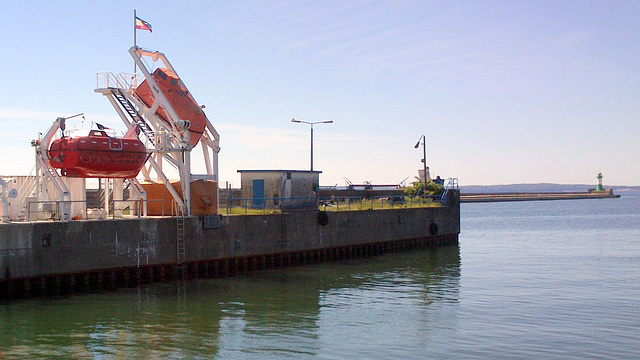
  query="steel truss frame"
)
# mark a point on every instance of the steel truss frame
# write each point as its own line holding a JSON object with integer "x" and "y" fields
{"x": 169, "y": 140}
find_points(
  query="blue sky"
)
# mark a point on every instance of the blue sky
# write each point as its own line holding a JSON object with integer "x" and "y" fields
{"x": 505, "y": 91}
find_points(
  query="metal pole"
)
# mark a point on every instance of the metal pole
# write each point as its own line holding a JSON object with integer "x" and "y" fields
{"x": 311, "y": 125}
{"x": 424, "y": 158}
{"x": 134, "y": 31}
{"x": 311, "y": 147}
{"x": 135, "y": 42}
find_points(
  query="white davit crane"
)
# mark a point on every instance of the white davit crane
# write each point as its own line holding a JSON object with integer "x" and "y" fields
{"x": 154, "y": 109}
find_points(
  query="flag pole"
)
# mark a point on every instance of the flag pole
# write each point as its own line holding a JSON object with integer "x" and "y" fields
{"x": 134, "y": 38}
{"x": 134, "y": 28}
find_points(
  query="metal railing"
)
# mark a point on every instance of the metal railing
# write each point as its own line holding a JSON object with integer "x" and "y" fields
{"x": 379, "y": 202}
{"x": 334, "y": 203}
{"x": 51, "y": 210}
{"x": 44, "y": 210}
{"x": 106, "y": 80}
{"x": 122, "y": 208}
{"x": 452, "y": 184}
{"x": 268, "y": 205}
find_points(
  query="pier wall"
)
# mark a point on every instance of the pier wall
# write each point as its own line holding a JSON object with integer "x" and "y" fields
{"x": 45, "y": 254}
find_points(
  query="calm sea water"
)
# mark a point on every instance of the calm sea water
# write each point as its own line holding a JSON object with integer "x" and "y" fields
{"x": 550, "y": 279}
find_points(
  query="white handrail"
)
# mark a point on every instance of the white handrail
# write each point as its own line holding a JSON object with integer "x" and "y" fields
{"x": 107, "y": 80}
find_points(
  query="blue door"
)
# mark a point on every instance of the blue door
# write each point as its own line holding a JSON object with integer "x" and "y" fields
{"x": 258, "y": 193}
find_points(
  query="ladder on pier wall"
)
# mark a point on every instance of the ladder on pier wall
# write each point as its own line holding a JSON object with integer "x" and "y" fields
{"x": 180, "y": 247}
{"x": 181, "y": 236}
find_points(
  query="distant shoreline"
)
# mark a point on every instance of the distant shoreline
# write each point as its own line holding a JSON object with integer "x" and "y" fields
{"x": 544, "y": 188}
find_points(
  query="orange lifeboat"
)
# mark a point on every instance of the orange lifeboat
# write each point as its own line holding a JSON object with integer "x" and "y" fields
{"x": 97, "y": 155}
{"x": 180, "y": 99}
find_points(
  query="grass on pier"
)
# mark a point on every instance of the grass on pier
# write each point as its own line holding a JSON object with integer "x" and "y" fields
{"x": 348, "y": 205}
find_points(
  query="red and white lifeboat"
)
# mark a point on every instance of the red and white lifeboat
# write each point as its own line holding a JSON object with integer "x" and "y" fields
{"x": 94, "y": 154}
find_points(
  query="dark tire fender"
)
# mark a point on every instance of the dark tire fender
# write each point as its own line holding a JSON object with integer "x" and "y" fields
{"x": 323, "y": 218}
{"x": 433, "y": 229}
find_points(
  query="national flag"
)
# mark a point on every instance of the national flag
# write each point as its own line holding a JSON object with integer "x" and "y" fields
{"x": 142, "y": 25}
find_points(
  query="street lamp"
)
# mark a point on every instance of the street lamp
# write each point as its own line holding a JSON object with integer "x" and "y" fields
{"x": 424, "y": 158}
{"x": 311, "y": 124}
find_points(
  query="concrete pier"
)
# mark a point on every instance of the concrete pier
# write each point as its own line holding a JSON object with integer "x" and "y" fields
{"x": 58, "y": 258}
{"x": 502, "y": 197}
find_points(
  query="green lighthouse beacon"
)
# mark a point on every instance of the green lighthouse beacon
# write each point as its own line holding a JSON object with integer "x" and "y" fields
{"x": 599, "y": 187}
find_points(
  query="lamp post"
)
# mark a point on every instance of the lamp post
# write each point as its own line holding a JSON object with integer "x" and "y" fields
{"x": 424, "y": 156}
{"x": 311, "y": 124}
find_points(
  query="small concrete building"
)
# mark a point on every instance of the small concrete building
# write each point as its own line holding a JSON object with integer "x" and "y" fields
{"x": 287, "y": 188}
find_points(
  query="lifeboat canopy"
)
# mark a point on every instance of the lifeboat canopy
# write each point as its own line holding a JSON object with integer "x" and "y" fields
{"x": 179, "y": 98}
{"x": 92, "y": 153}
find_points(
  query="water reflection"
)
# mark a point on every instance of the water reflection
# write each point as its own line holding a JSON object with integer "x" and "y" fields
{"x": 328, "y": 310}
